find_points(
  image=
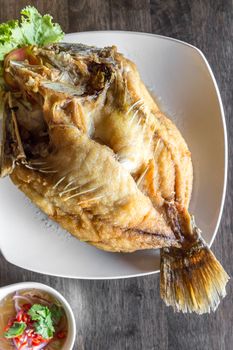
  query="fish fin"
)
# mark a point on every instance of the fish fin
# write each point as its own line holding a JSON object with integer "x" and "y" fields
{"x": 191, "y": 278}
{"x": 11, "y": 144}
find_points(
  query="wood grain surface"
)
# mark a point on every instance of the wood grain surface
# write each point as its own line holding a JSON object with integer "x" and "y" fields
{"x": 128, "y": 314}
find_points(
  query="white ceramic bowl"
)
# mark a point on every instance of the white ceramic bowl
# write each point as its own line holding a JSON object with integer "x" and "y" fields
{"x": 6, "y": 290}
{"x": 181, "y": 79}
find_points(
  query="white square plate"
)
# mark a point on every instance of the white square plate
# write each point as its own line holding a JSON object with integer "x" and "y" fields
{"x": 179, "y": 76}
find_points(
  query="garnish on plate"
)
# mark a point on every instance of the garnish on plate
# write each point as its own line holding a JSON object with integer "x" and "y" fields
{"x": 32, "y": 29}
{"x": 33, "y": 321}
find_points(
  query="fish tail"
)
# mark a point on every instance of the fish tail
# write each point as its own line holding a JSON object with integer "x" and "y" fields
{"x": 191, "y": 278}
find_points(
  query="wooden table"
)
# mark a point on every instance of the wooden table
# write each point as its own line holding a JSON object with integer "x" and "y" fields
{"x": 128, "y": 314}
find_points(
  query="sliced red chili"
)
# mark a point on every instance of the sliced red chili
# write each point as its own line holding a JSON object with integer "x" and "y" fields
{"x": 19, "y": 316}
{"x": 61, "y": 334}
{"x": 27, "y": 307}
{"x": 25, "y": 318}
{"x": 23, "y": 345}
{"x": 36, "y": 341}
{"x": 10, "y": 322}
{"x": 30, "y": 333}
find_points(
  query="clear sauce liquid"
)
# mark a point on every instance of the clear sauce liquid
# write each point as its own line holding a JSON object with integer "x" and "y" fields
{"x": 7, "y": 311}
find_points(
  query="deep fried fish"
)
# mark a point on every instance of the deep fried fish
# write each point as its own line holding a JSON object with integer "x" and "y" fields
{"x": 85, "y": 141}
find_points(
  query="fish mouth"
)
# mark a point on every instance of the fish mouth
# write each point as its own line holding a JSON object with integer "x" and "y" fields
{"x": 11, "y": 144}
{"x": 25, "y": 134}
{"x": 64, "y": 72}
{"x": 82, "y": 72}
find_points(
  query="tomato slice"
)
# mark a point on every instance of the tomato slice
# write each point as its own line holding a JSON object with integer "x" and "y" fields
{"x": 22, "y": 54}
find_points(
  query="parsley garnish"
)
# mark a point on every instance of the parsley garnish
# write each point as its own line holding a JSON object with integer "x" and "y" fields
{"x": 57, "y": 313}
{"x": 15, "y": 330}
{"x": 44, "y": 323}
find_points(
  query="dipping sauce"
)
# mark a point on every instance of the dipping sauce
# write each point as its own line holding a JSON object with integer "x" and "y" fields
{"x": 32, "y": 320}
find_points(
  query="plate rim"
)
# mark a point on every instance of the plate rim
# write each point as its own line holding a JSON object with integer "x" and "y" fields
{"x": 224, "y": 127}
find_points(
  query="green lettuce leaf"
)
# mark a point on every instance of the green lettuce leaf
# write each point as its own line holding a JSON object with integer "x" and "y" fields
{"x": 32, "y": 29}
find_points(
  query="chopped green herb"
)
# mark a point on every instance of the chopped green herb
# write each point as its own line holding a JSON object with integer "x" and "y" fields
{"x": 15, "y": 330}
{"x": 57, "y": 313}
{"x": 43, "y": 317}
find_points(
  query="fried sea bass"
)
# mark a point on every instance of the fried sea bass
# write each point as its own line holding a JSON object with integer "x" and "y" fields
{"x": 85, "y": 141}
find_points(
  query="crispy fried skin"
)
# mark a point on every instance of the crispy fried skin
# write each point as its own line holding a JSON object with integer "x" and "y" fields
{"x": 119, "y": 159}
{"x": 85, "y": 141}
